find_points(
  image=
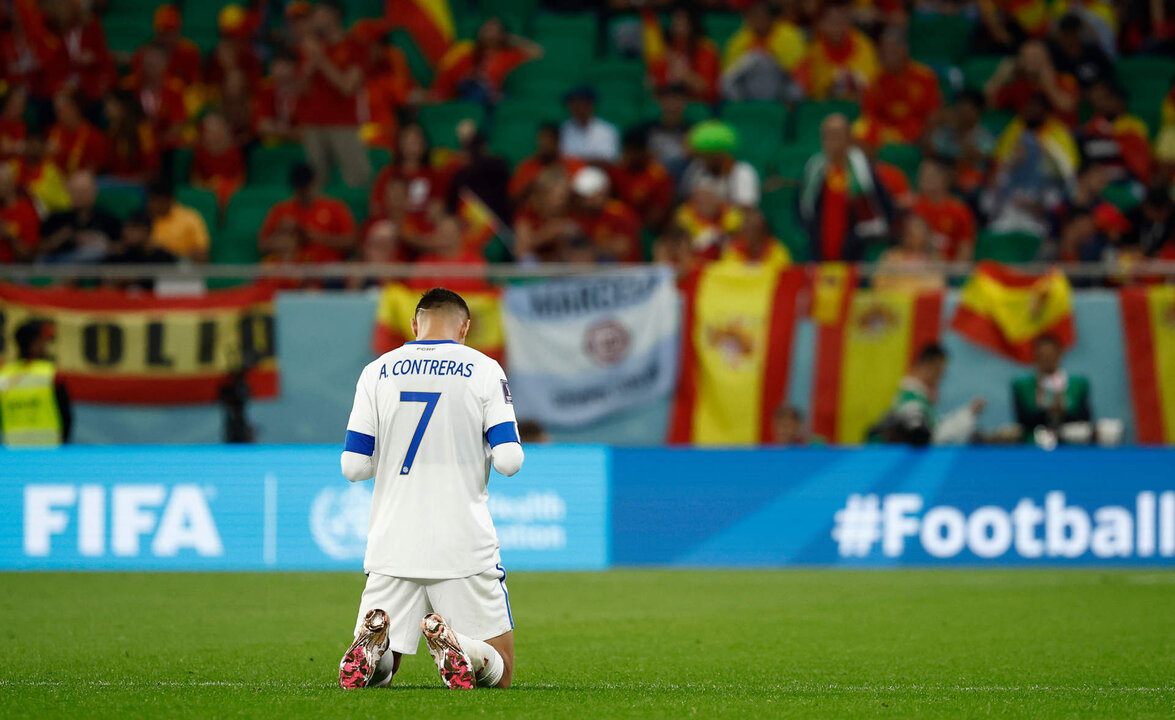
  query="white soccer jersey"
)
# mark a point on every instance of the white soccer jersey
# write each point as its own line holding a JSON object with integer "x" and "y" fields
{"x": 429, "y": 413}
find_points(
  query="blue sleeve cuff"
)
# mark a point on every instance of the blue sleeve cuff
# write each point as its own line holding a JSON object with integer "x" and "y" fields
{"x": 502, "y": 433}
{"x": 359, "y": 443}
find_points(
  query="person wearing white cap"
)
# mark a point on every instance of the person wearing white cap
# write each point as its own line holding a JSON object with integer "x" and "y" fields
{"x": 612, "y": 227}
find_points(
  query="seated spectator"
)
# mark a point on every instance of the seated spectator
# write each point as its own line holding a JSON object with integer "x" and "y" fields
{"x": 753, "y": 243}
{"x": 546, "y": 155}
{"x": 1074, "y": 55}
{"x": 308, "y": 227}
{"x": 583, "y": 135}
{"x": 332, "y": 68}
{"x": 476, "y": 70}
{"x": 901, "y": 100}
{"x": 1005, "y": 24}
{"x": 234, "y": 50}
{"x": 641, "y": 182}
{"x": 161, "y": 97}
{"x": 484, "y": 175}
{"x": 1115, "y": 139}
{"x": 907, "y": 267}
{"x": 412, "y": 162}
{"x": 276, "y": 114}
{"x": 841, "y": 61}
{"x": 20, "y": 226}
{"x": 13, "y": 128}
{"x": 1049, "y": 397}
{"x": 787, "y": 427}
{"x": 913, "y": 418}
{"x": 84, "y": 232}
{"x": 396, "y": 208}
{"x": 544, "y": 229}
{"x": 68, "y": 43}
{"x": 75, "y": 144}
{"x": 760, "y": 57}
{"x": 667, "y": 134}
{"x": 1036, "y": 159}
{"x": 843, "y": 204}
{"x": 446, "y": 247}
{"x": 712, "y": 144}
{"x": 707, "y": 219}
{"x": 133, "y": 152}
{"x": 1030, "y": 74}
{"x": 176, "y": 228}
{"x": 217, "y": 163}
{"x": 40, "y": 176}
{"x": 961, "y": 139}
{"x": 687, "y": 57}
{"x": 183, "y": 55}
{"x": 612, "y": 227}
{"x": 381, "y": 243}
{"x": 673, "y": 248}
{"x": 1152, "y": 223}
{"x": 950, "y": 220}
{"x": 237, "y": 107}
{"x": 136, "y": 246}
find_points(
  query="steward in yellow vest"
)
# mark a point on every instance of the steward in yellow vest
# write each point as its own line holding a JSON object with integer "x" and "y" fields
{"x": 34, "y": 405}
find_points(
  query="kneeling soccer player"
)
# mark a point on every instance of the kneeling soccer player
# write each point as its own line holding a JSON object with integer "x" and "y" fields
{"x": 428, "y": 419}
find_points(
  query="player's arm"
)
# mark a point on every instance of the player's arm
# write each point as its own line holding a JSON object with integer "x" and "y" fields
{"x": 499, "y": 423}
{"x": 358, "y": 459}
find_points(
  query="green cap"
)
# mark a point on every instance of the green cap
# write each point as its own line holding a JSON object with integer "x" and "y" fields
{"x": 713, "y": 136}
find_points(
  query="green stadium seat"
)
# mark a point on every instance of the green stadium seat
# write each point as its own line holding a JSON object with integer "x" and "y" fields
{"x": 202, "y": 201}
{"x": 996, "y": 120}
{"x": 271, "y": 165}
{"x": 621, "y": 112}
{"x": 249, "y": 206}
{"x": 791, "y": 159}
{"x": 181, "y": 166}
{"x": 756, "y": 121}
{"x": 514, "y": 14}
{"x": 354, "y": 198}
{"x": 440, "y": 121}
{"x": 779, "y": 208}
{"x": 359, "y": 9}
{"x": 617, "y": 78}
{"x": 540, "y": 79}
{"x": 977, "y": 70}
{"x": 127, "y": 35}
{"x": 720, "y": 26}
{"x": 564, "y": 25}
{"x": 1147, "y": 81}
{"x": 379, "y": 158}
{"x": 567, "y": 39}
{"x": 120, "y": 201}
{"x": 1007, "y": 247}
{"x": 938, "y": 38}
{"x": 809, "y": 115}
{"x": 235, "y": 245}
{"x": 906, "y": 157}
{"x": 1122, "y": 196}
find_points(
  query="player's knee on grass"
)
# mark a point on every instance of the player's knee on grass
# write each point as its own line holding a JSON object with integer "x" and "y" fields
{"x": 504, "y": 644}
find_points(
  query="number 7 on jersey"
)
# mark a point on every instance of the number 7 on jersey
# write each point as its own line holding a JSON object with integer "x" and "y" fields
{"x": 430, "y": 400}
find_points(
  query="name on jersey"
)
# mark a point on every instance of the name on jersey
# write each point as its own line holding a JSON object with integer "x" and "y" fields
{"x": 428, "y": 367}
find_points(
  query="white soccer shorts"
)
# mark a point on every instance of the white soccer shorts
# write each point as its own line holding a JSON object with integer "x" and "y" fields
{"x": 477, "y": 606}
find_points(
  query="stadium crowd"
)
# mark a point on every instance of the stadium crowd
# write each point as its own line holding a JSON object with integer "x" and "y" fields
{"x": 903, "y": 132}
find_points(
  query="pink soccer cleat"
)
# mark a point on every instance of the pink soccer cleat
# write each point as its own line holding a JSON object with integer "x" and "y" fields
{"x": 452, "y": 662}
{"x": 358, "y": 664}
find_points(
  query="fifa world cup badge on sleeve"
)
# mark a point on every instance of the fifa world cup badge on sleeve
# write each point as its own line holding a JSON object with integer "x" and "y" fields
{"x": 506, "y": 393}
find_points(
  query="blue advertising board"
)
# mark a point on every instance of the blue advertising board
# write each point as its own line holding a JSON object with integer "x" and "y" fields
{"x": 256, "y": 508}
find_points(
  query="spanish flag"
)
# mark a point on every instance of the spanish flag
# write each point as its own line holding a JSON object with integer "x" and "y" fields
{"x": 480, "y": 223}
{"x": 652, "y": 42}
{"x": 429, "y": 22}
{"x": 1004, "y": 310}
{"x": 737, "y": 326}
{"x": 865, "y": 342}
{"x": 397, "y": 306}
{"x": 1148, "y": 321}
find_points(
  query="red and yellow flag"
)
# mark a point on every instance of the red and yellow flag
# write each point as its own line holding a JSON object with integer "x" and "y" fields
{"x": 1004, "y": 310}
{"x": 1148, "y": 321}
{"x": 480, "y": 223}
{"x": 865, "y": 342}
{"x": 429, "y": 22}
{"x": 397, "y": 306}
{"x": 737, "y": 332}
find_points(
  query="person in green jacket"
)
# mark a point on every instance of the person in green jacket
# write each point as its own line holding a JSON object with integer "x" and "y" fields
{"x": 913, "y": 419}
{"x": 1049, "y": 397}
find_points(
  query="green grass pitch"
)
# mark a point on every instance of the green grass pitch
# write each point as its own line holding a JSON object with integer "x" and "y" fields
{"x": 638, "y": 644}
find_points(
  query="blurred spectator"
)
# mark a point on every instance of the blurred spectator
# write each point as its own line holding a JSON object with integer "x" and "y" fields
{"x": 843, "y": 204}
{"x": 531, "y": 432}
{"x": 1036, "y": 158}
{"x": 70, "y": 48}
{"x": 1113, "y": 138}
{"x": 1148, "y": 26}
{"x": 760, "y": 57}
{"x": 901, "y": 100}
{"x": 687, "y": 57}
{"x": 217, "y": 163}
{"x": 787, "y": 427}
{"x": 1030, "y": 74}
{"x": 236, "y": 97}
{"x": 30, "y": 382}
{"x": 389, "y": 88}
{"x": 893, "y": 178}
{"x": 476, "y": 70}
{"x": 183, "y": 55}
{"x": 913, "y": 418}
{"x": 75, "y": 144}
{"x": 907, "y": 267}
{"x": 234, "y": 50}
{"x": 484, "y": 175}
{"x": 707, "y": 219}
{"x": 427, "y": 187}
{"x": 445, "y": 247}
{"x": 308, "y": 227}
{"x": 277, "y": 103}
{"x": 83, "y": 233}
{"x": 583, "y": 135}
{"x": 712, "y": 144}
{"x": 667, "y": 134}
{"x": 19, "y": 224}
{"x": 543, "y": 228}
{"x": 611, "y": 226}
{"x": 962, "y": 139}
{"x": 411, "y": 233}
{"x": 673, "y": 248}
{"x": 641, "y": 182}
{"x": 176, "y": 228}
{"x": 1165, "y": 141}
{"x": 1005, "y": 24}
{"x": 841, "y": 60}
{"x": 753, "y": 243}
{"x": 1049, "y": 397}
{"x": 160, "y": 97}
{"x": 546, "y": 155}
{"x": 1152, "y": 223}
{"x": 40, "y": 176}
{"x": 1073, "y": 54}
{"x": 950, "y": 220}
{"x": 136, "y": 246}
{"x": 332, "y": 66}
{"x": 13, "y": 128}
{"x": 381, "y": 243}
{"x": 133, "y": 152}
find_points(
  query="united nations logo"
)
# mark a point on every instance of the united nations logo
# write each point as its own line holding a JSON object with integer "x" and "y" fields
{"x": 606, "y": 342}
{"x": 338, "y": 520}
